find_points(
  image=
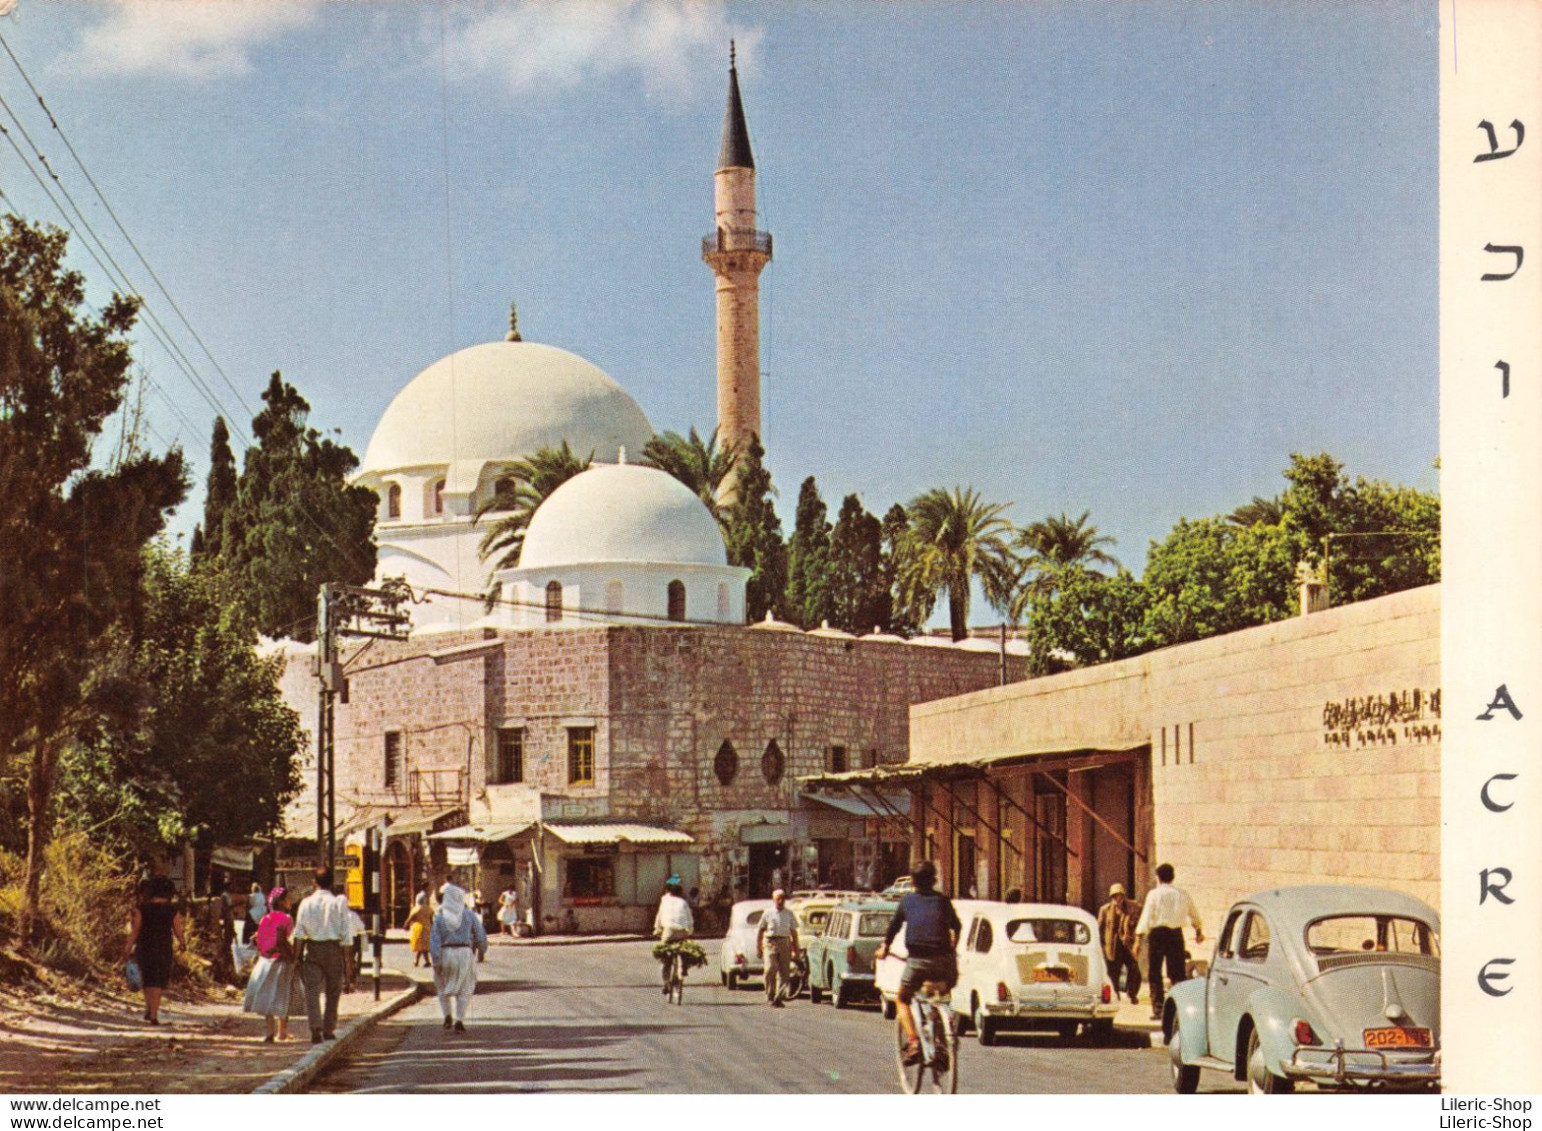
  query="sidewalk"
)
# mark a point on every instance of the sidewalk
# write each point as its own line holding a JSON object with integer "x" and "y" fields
{"x": 52, "y": 1043}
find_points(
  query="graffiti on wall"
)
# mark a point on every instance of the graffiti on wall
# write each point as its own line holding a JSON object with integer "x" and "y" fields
{"x": 1409, "y": 717}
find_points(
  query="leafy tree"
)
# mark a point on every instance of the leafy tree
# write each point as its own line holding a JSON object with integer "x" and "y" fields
{"x": 296, "y": 522}
{"x": 203, "y": 710}
{"x": 955, "y": 538}
{"x": 1085, "y": 618}
{"x": 809, "y": 596}
{"x": 860, "y": 591}
{"x": 219, "y": 494}
{"x": 1260, "y": 510}
{"x": 753, "y": 533}
{"x": 1053, "y": 545}
{"x": 1210, "y": 576}
{"x": 530, "y": 482}
{"x": 700, "y": 465}
{"x": 70, "y": 533}
{"x": 896, "y": 526}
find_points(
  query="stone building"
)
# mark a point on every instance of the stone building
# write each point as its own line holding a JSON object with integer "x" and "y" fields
{"x": 1304, "y": 751}
{"x": 609, "y": 720}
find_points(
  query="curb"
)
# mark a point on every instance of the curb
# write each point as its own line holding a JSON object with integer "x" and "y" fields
{"x": 298, "y": 1075}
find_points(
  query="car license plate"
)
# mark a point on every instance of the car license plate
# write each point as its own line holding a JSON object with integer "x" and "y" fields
{"x": 1051, "y": 973}
{"x": 1398, "y": 1039}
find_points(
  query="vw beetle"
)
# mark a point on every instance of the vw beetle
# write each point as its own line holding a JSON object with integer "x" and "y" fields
{"x": 1338, "y": 985}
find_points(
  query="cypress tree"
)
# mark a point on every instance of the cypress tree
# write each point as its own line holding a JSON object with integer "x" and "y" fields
{"x": 219, "y": 494}
{"x": 753, "y": 533}
{"x": 808, "y": 560}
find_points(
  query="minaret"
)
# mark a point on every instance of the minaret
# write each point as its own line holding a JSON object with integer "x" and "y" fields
{"x": 737, "y": 253}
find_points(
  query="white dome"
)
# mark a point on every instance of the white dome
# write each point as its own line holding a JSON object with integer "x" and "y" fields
{"x": 622, "y": 513}
{"x": 503, "y": 401}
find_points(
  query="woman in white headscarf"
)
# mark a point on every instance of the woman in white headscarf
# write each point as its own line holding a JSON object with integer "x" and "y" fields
{"x": 455, "y": 935}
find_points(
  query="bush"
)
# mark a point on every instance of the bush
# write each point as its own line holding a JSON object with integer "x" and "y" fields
{"x": 84, "y": 904}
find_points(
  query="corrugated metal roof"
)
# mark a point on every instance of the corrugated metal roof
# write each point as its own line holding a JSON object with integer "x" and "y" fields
{"x": 617, "y": 834}
{"x": 886, "y": 806}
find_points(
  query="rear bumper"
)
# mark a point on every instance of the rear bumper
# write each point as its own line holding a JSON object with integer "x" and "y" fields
{"x": 1026, "y": 1013}
{"x": 1360, "y": 1067}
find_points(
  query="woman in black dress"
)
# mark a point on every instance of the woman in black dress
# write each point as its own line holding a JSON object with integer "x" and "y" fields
{"x": 157, "y": 920}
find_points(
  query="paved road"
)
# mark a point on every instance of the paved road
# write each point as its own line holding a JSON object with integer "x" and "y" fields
{"x": 590, "y": 1018}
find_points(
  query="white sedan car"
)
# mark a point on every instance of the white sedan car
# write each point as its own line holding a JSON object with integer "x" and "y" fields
{"x": 739, "y": 958}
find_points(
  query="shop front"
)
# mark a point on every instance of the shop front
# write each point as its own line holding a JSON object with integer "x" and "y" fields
{"x": 602, "y": 878}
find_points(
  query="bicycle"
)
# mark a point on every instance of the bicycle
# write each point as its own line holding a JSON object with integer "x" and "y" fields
{"x": 676, "y": 982}
{"x": 937, "y": 1028}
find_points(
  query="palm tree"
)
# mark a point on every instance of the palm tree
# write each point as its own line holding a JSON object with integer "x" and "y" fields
{"x": 953, "y": 538}
{"x": 1270, "y": 512}
{"x": 701, "y": 466}
{"x": 527, "y": 485}
{"x": 1052, "y": 545}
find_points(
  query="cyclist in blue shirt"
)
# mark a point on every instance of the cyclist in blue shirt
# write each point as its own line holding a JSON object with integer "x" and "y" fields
{"x": 931, "y": 943}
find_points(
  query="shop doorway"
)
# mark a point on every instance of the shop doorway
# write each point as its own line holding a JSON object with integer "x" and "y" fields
{"x": 963, "y": 865}
{"x": 398, "y": 883}
{"x": 768, "y": 869}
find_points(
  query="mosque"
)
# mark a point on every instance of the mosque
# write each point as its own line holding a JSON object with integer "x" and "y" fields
{"x": 612, "y": 719}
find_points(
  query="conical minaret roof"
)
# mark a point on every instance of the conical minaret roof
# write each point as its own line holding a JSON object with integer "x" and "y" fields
{"x": 735, "y": 153}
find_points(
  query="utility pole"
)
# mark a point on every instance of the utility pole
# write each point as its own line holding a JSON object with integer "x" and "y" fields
{"x": 345, "y": 610}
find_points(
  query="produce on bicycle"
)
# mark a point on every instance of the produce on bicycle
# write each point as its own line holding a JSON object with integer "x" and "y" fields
{"x": 673, "y": 923}
{"x": 931, "y": 941}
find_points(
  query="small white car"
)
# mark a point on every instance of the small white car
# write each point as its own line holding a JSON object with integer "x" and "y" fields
{"x": 1032, "y": 966}
{"x": 739, "y": 957}
{"x": 1021, "y": 966}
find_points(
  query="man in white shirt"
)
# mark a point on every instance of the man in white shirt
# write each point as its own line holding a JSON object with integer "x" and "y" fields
{"x": 1161, "y": 923}
{"x": 778, "y": 939}
{"x": 322, "y": 931}
{"x": 674, "y": 922}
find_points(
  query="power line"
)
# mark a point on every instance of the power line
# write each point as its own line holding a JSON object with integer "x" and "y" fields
{"x": 119, "y": 223}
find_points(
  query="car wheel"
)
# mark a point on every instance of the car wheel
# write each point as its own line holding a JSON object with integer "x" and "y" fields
{"x": 839, "y": 994}
{"x": 887, "y": 1007}
{"x": 1185, "y": 1076}
{"x": 984, "y": 1027}
{"x": 722, "y": 976}
{"x": 1261, "y": 1081}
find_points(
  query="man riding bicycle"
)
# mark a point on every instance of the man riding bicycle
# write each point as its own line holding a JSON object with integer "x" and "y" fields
{"x": 931, "y": 942}
{"x": 674, "y": 922}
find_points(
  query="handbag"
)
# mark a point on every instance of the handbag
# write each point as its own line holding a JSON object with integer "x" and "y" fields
{"x": 133, "y": 976}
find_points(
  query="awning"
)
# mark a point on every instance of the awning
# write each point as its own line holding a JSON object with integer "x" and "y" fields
{"x": 907, "y": 773}
{"x": 422, "y": 823}
{"x": 885, "y": 805}
{"x": 617, "y": 834}
{"x": 482, "y": 834}
{"x": 234, "y": 859}
{"x": 461, "y": 856}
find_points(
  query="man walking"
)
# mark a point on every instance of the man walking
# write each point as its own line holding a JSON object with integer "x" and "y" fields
{"x": 778, "y": 945}
{"x": 1161, "y": 922}
{"x": 322, "y": 931}
{"x": 1116, "y": 925}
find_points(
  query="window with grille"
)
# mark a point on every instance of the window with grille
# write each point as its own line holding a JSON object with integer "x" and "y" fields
{"x": 580, "y": 755}
{"x": 772, "y": 764}
{"x": 553, "y": 601}
{"x": 509, "y": 766}
{"x": 393, "y": 758}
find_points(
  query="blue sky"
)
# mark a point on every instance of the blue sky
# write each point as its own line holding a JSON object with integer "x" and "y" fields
{"x": 1113, "y": 257}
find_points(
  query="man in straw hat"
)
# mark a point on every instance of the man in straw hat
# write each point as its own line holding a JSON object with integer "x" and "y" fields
{"x": 1116, "y": 924}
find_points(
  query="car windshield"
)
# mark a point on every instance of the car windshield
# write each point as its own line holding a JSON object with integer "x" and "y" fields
{"x": 814, "y": 920}
{"x": 1371, "y": 934}
{"x": 1049, "y": 930}
{"x": 873, "y": 924}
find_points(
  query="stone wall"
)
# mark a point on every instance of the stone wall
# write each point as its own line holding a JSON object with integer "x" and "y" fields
{"x": 1305, "y": 751}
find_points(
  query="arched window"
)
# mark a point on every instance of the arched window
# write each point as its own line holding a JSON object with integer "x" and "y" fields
{"x": 394, "y": 501}
{"x": 722, "y": 601}
{"x": 726, "y": 764}
{"x": 772, "y": 764}
{"x": 503, "y": 493}
{"x": 615, "y": 596}
{"x": 439, "y": 496}
{"x": 553, "y": 601}
{"x": 677, "y": 600}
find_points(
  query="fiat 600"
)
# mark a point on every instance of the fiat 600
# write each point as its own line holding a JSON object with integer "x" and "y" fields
{"x": 1337, "y": 985}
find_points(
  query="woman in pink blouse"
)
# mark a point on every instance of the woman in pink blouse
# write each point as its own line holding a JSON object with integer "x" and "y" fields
{"x": 273, "y": 988}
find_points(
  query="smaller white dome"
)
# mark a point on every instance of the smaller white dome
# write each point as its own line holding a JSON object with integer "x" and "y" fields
{"x": 622, "y": 513}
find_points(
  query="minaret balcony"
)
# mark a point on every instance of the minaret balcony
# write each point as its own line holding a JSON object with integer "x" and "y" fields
{"x": 725, "y": 240}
